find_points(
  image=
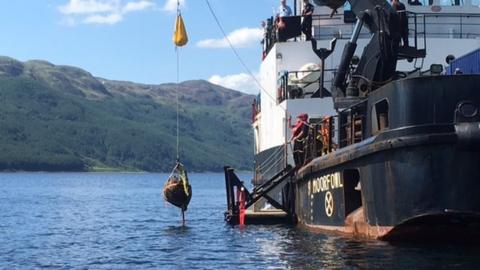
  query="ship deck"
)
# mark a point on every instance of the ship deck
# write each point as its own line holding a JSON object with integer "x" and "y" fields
{"x": 265, "y": 217}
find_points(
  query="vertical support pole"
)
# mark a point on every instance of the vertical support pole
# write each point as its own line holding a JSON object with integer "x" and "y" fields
{"x": 227, "y": 187}
{"x": 230, "y": 191}
{"x": 315, "y": 144}
{"x": 241, "y": 205}
{"x": 285, "y": 152}
{"x": 416, "y": 33}
{"x": 295, "y": 8}
{"x": 330, "y": 134}
{"x": 424, "y": 32}
{"x": 295, "y": 13}
{"x": 352, "y": 127}
{"x": 461, "y": 25}
{"x": 322, "y": 79}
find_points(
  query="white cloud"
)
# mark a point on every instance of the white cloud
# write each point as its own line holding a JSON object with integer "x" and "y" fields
{"x": 171, "y": 5}
{"x": 240, "y": 38}
{"x": 137, "y": 6}
{"x": 101, "y": 11}
{"x": 104, "y": 19}
{"x": 89, "y": 6}
{"x": 241, "y": 82}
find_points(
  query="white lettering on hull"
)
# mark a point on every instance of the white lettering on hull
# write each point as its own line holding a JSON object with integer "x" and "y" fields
{"x": 324, "y": 183}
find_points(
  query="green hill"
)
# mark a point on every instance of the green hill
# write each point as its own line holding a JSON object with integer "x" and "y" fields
{"x": 59, "y": 118}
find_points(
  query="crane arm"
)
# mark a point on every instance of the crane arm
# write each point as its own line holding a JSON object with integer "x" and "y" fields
{"x": 379, "y": 59}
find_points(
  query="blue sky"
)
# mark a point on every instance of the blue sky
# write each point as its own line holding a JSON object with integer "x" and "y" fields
{"x": 132, "y": 39}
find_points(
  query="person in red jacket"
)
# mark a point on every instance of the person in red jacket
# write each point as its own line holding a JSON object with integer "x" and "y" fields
{"x": 299, "y": 133}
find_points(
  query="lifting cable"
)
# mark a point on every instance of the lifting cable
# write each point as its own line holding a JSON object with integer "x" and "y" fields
{"x": 180, "y": 38}
{"x": 237, "y": 54}
{"x": 177, "y": 96}
{"x": 239, "y": 58}
{"x": 177, "y": 190}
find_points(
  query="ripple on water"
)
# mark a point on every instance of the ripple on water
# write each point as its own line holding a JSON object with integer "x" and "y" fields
{"x": 120, "y": 221}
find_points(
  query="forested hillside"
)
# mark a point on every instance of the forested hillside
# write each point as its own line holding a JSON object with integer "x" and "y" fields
{"x": 59, "y": 118}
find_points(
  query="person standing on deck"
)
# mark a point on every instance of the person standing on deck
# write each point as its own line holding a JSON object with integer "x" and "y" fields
{"x": 402, "y": 19}
{"x": 284, "y": 10}
{"x": 307, "y": 13}
{"x": 299, "y": 133}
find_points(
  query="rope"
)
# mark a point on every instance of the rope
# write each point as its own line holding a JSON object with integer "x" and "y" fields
{"x": 178, "y": 90}
{"x": 236, "y": 52}
{"x": 177, "y": 51}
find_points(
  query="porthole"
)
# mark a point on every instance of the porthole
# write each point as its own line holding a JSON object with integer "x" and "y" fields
{"x": 468, "y": 109}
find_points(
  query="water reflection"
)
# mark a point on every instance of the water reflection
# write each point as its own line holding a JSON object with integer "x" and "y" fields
{"x": 293, "y": 248}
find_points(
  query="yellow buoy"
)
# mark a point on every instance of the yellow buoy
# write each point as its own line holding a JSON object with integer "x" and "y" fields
{"x": 180, "y": 37}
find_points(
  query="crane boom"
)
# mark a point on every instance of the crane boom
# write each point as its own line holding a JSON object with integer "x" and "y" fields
{"x": 379, "y": 59}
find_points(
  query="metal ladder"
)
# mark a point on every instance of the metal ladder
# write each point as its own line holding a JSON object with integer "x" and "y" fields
{"x": 261, "y": 191}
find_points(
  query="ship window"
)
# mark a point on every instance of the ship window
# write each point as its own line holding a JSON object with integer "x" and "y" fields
{"x": 447, "y": 2}
{"x": 452, "y": 2}
{"x": 380, "y": 117}
{"x": 348, "y": 15}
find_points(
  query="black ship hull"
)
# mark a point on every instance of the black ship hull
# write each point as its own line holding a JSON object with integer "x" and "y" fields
{"x": 405, "y": 165}
{"x": 418, "y": 178}
{"x": 408, "y": 187}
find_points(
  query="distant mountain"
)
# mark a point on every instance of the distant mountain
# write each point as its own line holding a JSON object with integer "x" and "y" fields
{"x": 61, "y": 118}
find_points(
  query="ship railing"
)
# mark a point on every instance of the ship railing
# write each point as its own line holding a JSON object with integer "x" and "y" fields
{"x": 452, "y": 25}
{"x": 336, "y": 26}
{"x": 447, "y": 25}
{"x": 352, "y": 131}
{"x": 340, "y": 26}
{"x": 352, "y": 123}
{"x": 330, "y": 133}
{"x": 325, "y": 27}
{"x": 326, "y": 135}
{"x": 302, "y": 84}
{"x": 321, "y": 138}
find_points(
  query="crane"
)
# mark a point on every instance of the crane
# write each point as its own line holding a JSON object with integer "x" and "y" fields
{"x": 378, "y": 62}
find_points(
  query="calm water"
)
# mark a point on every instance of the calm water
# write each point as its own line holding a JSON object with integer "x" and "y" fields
{"x": 120, "y": 221}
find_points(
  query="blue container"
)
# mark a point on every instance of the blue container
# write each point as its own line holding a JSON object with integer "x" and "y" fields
{"x": 468, "y": 64}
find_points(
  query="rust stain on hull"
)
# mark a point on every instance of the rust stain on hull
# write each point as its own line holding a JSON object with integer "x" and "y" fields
{"x": 355, "y": 225}
{"x": 455, "y": 227}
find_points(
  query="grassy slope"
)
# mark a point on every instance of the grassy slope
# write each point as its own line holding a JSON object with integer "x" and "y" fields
{"x": 62, "y": 119}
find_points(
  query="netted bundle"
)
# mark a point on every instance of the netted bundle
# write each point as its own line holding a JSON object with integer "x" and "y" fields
{"x": 177, "y": 189}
